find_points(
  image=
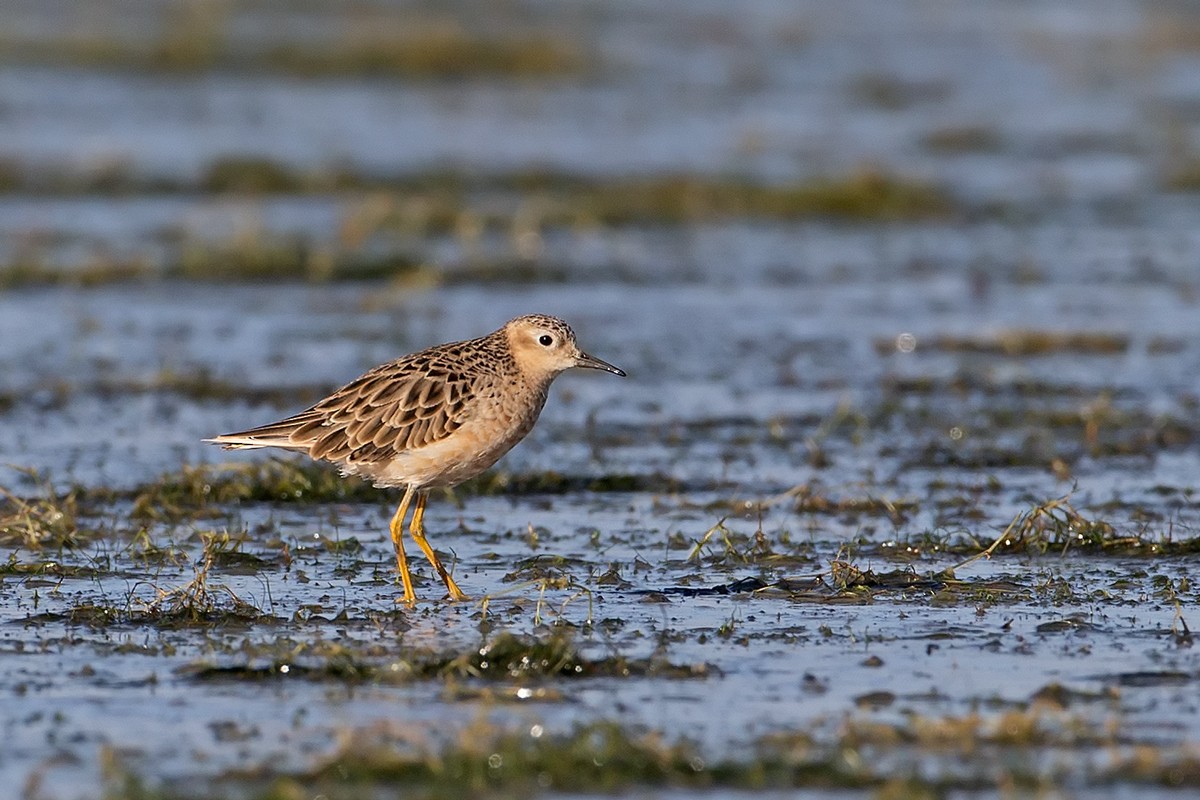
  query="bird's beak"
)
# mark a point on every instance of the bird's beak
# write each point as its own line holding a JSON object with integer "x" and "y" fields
{"x": 590, "y": 362}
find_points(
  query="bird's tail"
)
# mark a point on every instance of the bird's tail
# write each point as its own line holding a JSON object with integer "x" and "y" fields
{"x": 292, "y": 433}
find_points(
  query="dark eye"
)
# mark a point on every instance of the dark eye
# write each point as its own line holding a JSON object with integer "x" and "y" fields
{"x": 545, "y": 340}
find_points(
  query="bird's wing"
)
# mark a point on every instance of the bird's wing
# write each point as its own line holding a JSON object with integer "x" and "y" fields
{"x": 402, "y": 405}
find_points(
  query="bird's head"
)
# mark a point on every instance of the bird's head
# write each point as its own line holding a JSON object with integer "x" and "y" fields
{"x": 544, "y": 345}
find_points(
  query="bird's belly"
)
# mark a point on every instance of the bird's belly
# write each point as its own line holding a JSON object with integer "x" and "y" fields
{"x": 460, "y": 456}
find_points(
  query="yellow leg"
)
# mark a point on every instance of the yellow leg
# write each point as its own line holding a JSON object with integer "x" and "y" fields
{"x": 417, "y": 529}
{"x": 397, "y": 530}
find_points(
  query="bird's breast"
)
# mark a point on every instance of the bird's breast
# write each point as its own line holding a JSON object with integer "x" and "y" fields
{"x": 496, "y": 425}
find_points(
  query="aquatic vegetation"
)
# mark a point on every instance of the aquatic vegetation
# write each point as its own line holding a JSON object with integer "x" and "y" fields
{"x": 963, "y": 139}
{"x": 893, "y": 93}
{"x": 865, "y": 195}
{"x": 196, "y": 40}
{"x": 45, "y": 521}
{"x": 1056, "y": 524}
{"x": 1020, "y": 343}
{"x": 205, "y": 486}
{"x": 1184, "y": 176}
{"x": 384, "y": 235}
{"x": 809, "y": 500}
{"x": 504, "y": 657}
{"x": 497, "y": 761}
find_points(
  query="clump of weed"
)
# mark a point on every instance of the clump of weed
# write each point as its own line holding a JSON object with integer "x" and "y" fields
{"x": 734, "y": 548}
{"x": 808, "y": 500}
{"x": 510, "y": 657}
{"x": 1054, "y": 524}
{"x": 850, "y": 581}
{"x": 503, "y": 658}
{"x": 603, "y": 757}
{"x": 45, "y": 521}
{"x": 1057, "y": 525}
{"x": 180, "y": 494}
{"x": 514, "y": 657}
{"x": 199, "y": 601}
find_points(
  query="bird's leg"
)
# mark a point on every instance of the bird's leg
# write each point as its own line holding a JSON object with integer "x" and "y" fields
{"x": 397, "y": 530}
{"x": 417, "y": 529}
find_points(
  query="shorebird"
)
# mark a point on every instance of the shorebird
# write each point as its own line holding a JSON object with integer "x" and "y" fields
{"x": 432, "y": 419}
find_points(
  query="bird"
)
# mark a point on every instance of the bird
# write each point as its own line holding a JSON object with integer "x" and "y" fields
{"x": 432, "y": 419}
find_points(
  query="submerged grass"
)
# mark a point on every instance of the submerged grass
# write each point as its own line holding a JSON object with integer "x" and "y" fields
{"x": 259, "y": 259}
{"x": 603, "y": 757}
{"x": 45, "y": 521}
{"x": 812, "y": 501}
{"x": 198, "y": 603}
{"x": 923, "y": 756}
{"x": 445, "y": 201}
{"x": 1057, "y": 525}
{"x": 1048, "y": 527}
{"x": 504, "y": 658}
{"x": 384, "y": 233}
{"x": 598, "y": 757}
{"x": 198, "y": 38}
{"x": 179, "y": 494}
{"x": 674, "y": 199}
{"x": 24, "y": 272}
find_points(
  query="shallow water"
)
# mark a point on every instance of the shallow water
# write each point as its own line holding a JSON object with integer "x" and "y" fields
{"x": 803, "y": 395}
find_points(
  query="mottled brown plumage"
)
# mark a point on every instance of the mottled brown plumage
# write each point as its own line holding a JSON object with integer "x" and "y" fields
{"x": 433, "y": 418}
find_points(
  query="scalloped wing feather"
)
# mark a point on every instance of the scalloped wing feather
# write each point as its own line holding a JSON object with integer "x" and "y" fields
{"x": 402, "y": 405}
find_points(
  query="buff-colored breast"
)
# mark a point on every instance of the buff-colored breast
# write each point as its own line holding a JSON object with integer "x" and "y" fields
{"x": 496, "y": 423}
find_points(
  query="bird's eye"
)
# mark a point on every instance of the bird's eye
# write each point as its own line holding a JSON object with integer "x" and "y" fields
{"x": 545, "y": 340}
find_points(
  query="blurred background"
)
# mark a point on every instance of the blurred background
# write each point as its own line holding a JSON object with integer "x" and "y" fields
{"x": 212, "y": 206}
